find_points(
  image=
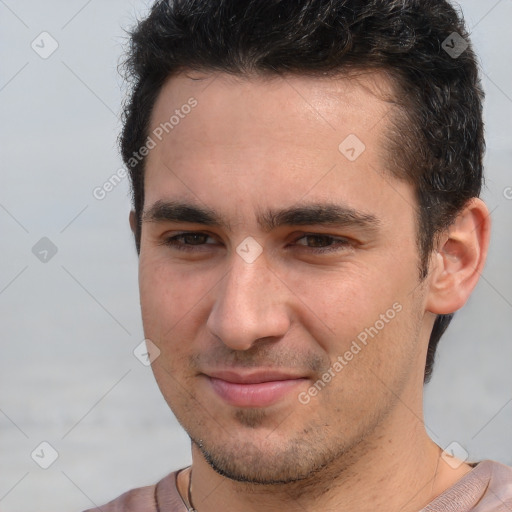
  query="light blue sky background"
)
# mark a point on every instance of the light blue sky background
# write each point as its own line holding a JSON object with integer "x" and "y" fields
{"x": 69, "y": 326}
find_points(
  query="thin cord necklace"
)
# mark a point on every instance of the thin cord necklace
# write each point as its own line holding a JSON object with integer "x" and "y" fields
{"x": 440, "y": 451}
{"x": 188, "y": 503}
{"x": 190, "y": 507}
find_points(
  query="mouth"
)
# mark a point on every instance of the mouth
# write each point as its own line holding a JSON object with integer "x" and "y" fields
{"x": 254, "y": 389}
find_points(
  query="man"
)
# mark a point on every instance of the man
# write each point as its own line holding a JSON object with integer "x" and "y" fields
{"x": 305, "y": 180}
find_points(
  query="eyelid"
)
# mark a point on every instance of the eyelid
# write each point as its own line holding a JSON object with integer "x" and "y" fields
{"x": 297, "y": 237}
{"x": 168, "y": 237}
{"x": 324, "y": 235}
{"x": 338, "y": 243}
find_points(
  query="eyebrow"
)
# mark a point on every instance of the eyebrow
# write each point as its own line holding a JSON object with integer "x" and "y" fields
{"x": 328, "y": 214}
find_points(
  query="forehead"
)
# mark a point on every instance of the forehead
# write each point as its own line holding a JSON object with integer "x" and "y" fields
{"x": 269, "y": 139}
{"x": 261, "y": 103}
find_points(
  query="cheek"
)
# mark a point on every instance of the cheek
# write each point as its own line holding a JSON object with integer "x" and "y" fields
{"x": 339, "y": 303}
{"x": 362, "y": 308}
{"x": 370, "y": 364}
{"x": 170, "y": 294}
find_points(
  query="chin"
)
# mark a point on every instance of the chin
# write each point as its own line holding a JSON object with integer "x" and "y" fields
{"x": 268, "y": 464}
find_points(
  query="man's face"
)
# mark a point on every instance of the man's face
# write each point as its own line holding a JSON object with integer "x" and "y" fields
{"x": 285, "y": 340}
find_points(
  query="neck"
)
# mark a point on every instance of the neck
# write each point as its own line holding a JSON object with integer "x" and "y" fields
{"x": 399, "y": 468}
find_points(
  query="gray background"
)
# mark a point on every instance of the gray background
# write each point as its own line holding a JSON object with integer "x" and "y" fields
{"x": 67, "y": 372}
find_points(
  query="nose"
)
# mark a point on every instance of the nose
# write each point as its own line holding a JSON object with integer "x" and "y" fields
{"x": 250, "y": 305}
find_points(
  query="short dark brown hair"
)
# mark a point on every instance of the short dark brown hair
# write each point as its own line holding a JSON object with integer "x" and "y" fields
{"x": 437, "y": 138}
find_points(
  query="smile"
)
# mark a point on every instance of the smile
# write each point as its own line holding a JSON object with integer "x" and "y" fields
{"x": 254, "y": 390}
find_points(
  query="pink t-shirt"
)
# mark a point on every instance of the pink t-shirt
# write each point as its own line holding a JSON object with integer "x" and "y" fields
{"x": 486, "y": 488}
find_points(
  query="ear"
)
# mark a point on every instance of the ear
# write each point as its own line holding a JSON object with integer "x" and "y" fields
{"x": 459, "y": 259}
{"x": 133, "y": 222}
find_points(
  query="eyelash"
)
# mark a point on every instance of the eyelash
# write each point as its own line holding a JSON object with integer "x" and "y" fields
{"x": 335, "y": 245}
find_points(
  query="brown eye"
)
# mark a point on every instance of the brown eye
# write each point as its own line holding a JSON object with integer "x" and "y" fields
{"x": 187, "y": 241}
{"x": 323, "y": 243}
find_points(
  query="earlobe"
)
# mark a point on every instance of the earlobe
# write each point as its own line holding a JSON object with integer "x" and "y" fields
{"x": 459, "y": 259}
{"x": 133, "y": 222}
{"x": 135, "y": 230}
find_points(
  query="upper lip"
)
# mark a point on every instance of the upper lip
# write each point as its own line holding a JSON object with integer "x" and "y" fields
{"x": 254, "y": 377}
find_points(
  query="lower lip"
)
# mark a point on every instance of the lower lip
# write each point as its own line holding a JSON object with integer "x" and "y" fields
{"x": 253, "y": 395}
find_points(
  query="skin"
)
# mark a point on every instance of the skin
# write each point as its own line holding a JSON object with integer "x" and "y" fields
{"x": 254, "y": 144}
